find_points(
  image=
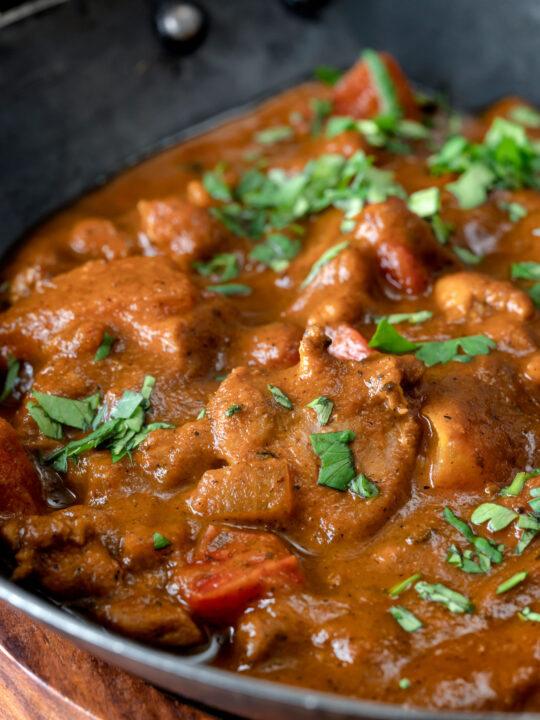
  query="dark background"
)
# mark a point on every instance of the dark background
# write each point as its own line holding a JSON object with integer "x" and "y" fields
{"x": 85, "y": 88}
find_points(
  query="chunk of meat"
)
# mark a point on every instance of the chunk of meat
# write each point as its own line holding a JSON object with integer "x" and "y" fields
{"x": 348, "y": 343}
{"x": 273, "y": 345}
{"x": 463, "y": 293}
{"x": 96, "y": 238}
{"x": 232, "y": 568}
{"x": 179, "y": 229}
{"x": 20, "y": 489}
{"x": 357, "y": 93}
{"x": 404, "y": 246}
{"x": 258, "y": 491}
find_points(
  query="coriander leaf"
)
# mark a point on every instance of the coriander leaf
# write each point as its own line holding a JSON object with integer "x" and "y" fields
{"x": 323, "y": 407}
{"x": 405, "y": 618}
{"x": 534, "y": 504}
{"x": 404, "y": 683}
{"x": 511, "y": 582}
{"x": 242, "y": 221}
{"x": 230, "y": 289}
{"x": 441, "y": 230}
{"x": 50, "y": 428}
{"x": 452, "y": 156}
{"x": 525, "y": 115}
{"x": 526, "y": 271}
{"x": 276, "y": 251}
{"x": 466, "y": 256}
{"x": 105, "y": 348}
{"x": 437, "y": 592}
{"x": 160, "y": 541}
{"x": 321, "y": 110}
{"x": 534, "y": 292}
{"x": 337, "y": 464}
{"x": 280, "y": 397}
{"x": 74, "y": 413}
{"x": 360, "y": 485}
{"x": 444, "y": 352}
{"x": 425, "y": 203}
{"x": 201, "y": 414}
{"x": 13, "y": 366}
{"x": 528, "y": 614}
{"x": 273, "y": 135}
{"x": 325, "y": 258}
{"x": 518, "y": 483}
{"x": 499, "y": 516}
{"x": 414, "y": 317}
{"x": 215, "y": 184}
{"x": 223, "y": 264}
{"x": 527, "y": 536}
{"x": 384, "y": 85}
{"x": 339, "y": 124}
{"x": 464, "y": 561}
{"x": 516, "y": 211}
{"x": 233, "y": 409}
{"x": 400, "y": 587}
{"x": 471, "y": 188}
{"x": 327, "y": 75}
{"x": 460, "y": 525}
{"x": 387, "y": 339}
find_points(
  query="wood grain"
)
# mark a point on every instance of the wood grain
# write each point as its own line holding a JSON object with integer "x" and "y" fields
{"x": 45, "y": 677}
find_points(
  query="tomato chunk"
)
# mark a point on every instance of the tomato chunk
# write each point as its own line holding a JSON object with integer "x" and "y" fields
{"x": 348, "y": 344}
{"x": 231, "y": 568}
{"x": 402, "y": 267}
{"x": 357, "y": 93}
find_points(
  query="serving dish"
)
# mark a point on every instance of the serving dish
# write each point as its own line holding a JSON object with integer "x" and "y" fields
{"x": 167, "y": 670}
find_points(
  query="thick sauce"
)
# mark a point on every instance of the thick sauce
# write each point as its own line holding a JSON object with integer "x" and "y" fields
{"x": 220, "y": 523}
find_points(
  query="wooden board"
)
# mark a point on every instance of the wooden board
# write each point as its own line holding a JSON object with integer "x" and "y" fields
{"x": 44, "y": 677}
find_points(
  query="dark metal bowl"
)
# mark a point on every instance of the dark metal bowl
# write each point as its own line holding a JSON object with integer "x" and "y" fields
{"x": 86, "y": 92}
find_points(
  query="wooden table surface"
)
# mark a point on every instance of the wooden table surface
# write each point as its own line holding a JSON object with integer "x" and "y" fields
{"x": 44, "y": 677}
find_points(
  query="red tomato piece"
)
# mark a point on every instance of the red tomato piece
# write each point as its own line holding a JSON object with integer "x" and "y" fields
{"x": 402, "y": 268}
{"x": 232, "y": 568}
{"x": 348, "y": 344}
{"x": 356, "y": 93}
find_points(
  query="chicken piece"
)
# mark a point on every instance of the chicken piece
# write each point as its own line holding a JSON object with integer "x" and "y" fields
{"x": 20, "y": 489}
{"x": 97, "y": 238}
{"x": 271, "y": 346}
{"x": 179, "y": 229}
{"x": 258, "y": 491}
{"x": 358, "y": 93}
{"x": 469, "y": 293}
{"x": 404, "y": 246}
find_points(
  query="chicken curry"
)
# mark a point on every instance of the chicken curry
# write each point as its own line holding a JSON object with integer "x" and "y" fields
{"x": 280, "y": 385}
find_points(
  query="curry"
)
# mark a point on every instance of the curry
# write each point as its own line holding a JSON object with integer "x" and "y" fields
{"x": 280, "y": 385}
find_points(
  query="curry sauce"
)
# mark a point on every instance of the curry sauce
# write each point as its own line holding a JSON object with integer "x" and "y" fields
{"x": 281, "y": 384}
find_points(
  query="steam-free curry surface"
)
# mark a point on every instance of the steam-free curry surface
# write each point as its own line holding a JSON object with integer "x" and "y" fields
{"x": 396, "y": 560}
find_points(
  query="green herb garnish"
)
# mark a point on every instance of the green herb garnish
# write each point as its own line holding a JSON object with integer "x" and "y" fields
{"x": 466, "y": 256}
{"x": 511, "y": 582}
{"x": 323, "y": 407}
{"x": 385, "y": 88}
{"x": 276, "y": 251}
{"x": 215, "y": 184}
{"x": 518, "y": 483}
{"x": 337, "y": 464}
{"x": 360, "y": 485}
{"x": 498, "y": 516}
{"x": 515, "y": 210}
{"x": 50, "y": 428}
{"x": 405, "y": 618}
{"x": 232, "y": 410}
{"x": 201, "y": 414}
{"x": 431, "y": 353}
{"x": 105, "y": 348}
{"x": 223, "y": 264}
{"x": 526, "y": 271}
{"x": 425, "y": 203}
{"x": 472, "y": 187}
{"x": 230, "y": 289}
{"x": 321, "y": 110}
{"x": 13, "y": 366}
{"x": 400, "y": 587}
{"x": 327, "y": 75}
{"x": 525, "y": 115}
{"x": 160, "y": 541}
{"x": 437, "y": 592}
{"x": 413, "y": 317}
{"x": 387, "y": 339}
{"x": 325, "y": 258}
{"x": 280, "y": 397}
{"x": 404, "y": 683}
{"x": 74, "y": 413}
{"x": 273, "y": 135}
{"x": 528, "y": 614}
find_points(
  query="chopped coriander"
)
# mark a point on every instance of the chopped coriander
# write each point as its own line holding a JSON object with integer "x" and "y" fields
{"x": 404, "y": 683}
{"x": 535, "y": 504}
{"x": 413, "y": 317}
{"x": 276, "y": 251}
{"x": 511, "y": 582}
{"x": 384, "y": 85}
{"x": 201, "y": 414}
{"x": 323, "y": 407}
{"x": 437, "y": 592}
{"x": 444, "y": 352}
{"x": 74, "y": 413}
{"x": 273, "y": 135}
{"x": 325, "y": 258}
{"x": 486, "y": 550}
{"x": 405, "y": 618}
{"x": 464, "y": 560}
{"x": 516, "y": 211}
{"x": 466, "y": 256}
{"x": 518, "y": 483}
{"x": 528, "y": 614}
{"x": 13, "y": 366}
{"x": 105, "y": 348}
{"x": 215, "y": 184}
{"x": 327, "y": 75}
{"x": 321, "y": 110}
{"x": 498, "y": 516}
{"x": 400, "y": 587}
{"x": 460, "y": 525}
{"x": 525, "y": 115}
{"x": 233, "y": 409}
{"x": 534, "y": 292}
{"x": 471, "y": 188}
{"x": 387, "y": 339}
{"x": 230, "y": 289}
{"x": 50, "y": 428}
{"x": 360, "y": 485}
{"x": 526, "y": 271}
{"x": 280, "y": 397}
{"x": 337, "y": 464}
{"x": 425, "y": 203}
{"x": 441, "y": 230}
{"x": 220, "y": 378}
{"x": 223, "y": 264}
{"x": 242, "y": 221}
{"x": 160, "y": 541}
